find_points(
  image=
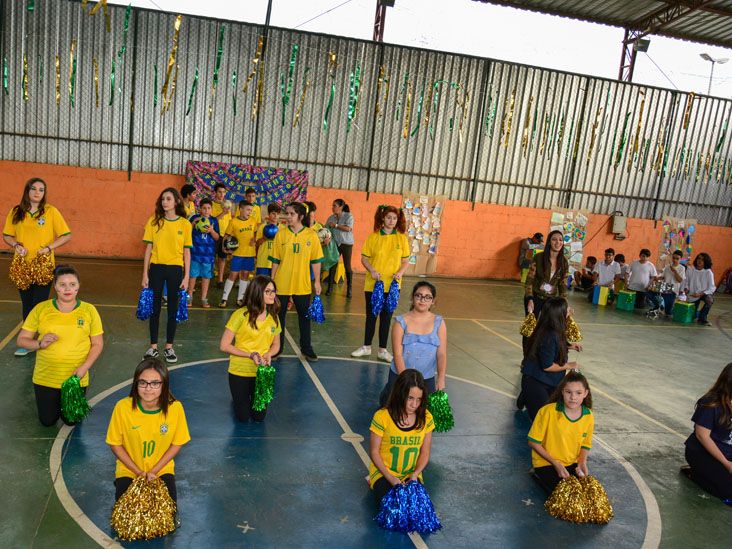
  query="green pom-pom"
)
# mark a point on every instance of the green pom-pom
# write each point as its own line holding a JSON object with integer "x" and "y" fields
{"x": 74, "y": 406}
{"x": 264, "y": 387}
{"x": 439, "y": 407}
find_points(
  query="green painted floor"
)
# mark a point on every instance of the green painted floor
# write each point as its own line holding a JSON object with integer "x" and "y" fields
{"x": 646, "y": 376}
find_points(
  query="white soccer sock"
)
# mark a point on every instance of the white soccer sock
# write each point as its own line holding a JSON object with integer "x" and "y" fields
{"x": 228, "y": 285}
{"x": 242, "y": 288}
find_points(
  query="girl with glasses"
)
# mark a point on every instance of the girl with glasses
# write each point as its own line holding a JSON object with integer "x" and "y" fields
{"x": 147, "y": 429}
{"x": 419, "y": 341}
{"x": 251, "y": 338}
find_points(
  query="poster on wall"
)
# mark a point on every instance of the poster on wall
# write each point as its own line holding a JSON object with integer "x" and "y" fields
{"x": 573, "y": 225}
{"x": 272, "y": 184}
{"x": 424, "y": 225}
{"x": 677, "y": 234}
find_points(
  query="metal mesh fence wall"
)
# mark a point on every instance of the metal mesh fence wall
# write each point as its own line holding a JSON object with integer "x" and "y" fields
{"x": 424, "y": 121}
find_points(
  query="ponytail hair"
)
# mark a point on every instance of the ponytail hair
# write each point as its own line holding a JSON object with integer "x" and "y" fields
{"x": 342, "y": 204}
{"x": 381, "y": 211}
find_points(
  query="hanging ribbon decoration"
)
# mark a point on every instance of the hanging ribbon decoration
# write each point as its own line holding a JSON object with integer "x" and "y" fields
{"x": 636, "y": 140}
{"x": 31, "y": 5}
{"x": 95, "y": 64}
{"x": 155, "y": 86}
{"x": 233, "y": 87}
{"x": 255, "y": 62}
{"x": 217, "y": 67}
{"x": 527, "y": 121}
{"x": 58, "y": 80}
{"x": 419, "y": 110}
{"x": 259, "y": 95}
{"x": 355, "y": 84}
{"x": 560, "y": 133}
{"x": 25, "y": 78}
{"x": 286, "y": 87}
{"x": 381, "y": 81}
{"x": 490, "y": 122}
{"x": 6, "y": 78}
{"x": 407, "y": 110}
{"x": 593, "y": 136}
{"x": 402, "y": 97}
{"x": 332, "y": 65}
{"x": 623, "y": 138}
{"x": 545, "y": 133}
{"x": 687, "y": 110}
{"x": 171, "y": 62}
{"x": 508, "y": 117}
{"x": 660, "y": 148}
{"x": 432, "y": 107}
{"x": 112, "y": 82}
{"x": 125, "y": 29}
{"x": 84, "y": 5}
{"x": 306, "y": 85}
{"x": 464, "y": 106}
{"x": 172, "y": 86}
{"x": 72, "y": 73}
{"x": 95, "y": 9}
{"x": 193, "y": 91}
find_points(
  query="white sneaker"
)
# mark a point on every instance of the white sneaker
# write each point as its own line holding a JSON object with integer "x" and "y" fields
{"x": 363, "y": 350}
{"x": 385, "y": 355}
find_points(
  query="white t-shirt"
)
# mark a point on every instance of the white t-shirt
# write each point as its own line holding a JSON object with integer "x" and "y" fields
{"x": 640, "y": 275}
{"x": 606, "y": 273}
{"x": 668, "y": 276}
{"x": 699, "y": 282}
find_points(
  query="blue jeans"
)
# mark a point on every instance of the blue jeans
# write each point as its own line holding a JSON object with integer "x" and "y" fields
{"x": 668, "y": 302}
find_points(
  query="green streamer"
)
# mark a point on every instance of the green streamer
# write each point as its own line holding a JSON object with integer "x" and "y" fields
{"x": 287, "y": 89}
{"x": 355, "y": 84}
{"x": 402, "y": 92}
{"x": 125, "y": 28}
{"x": 569, "y": 139}
{"x": 31, "y": 5}
{"x": 112, "y": 82}
{"x": 263, "y": 387}
{"x": 193, "y": 91}
{"x": 330, "y": 104}
{"x": 721, "y": 138}
{"x": 645, "y": 154}
{"x": 72, "y": 91}
{"x": 219, "y": 53}
{"x": 233, "y": 86}
{"x": 5, "y": 75}
{"x": 74, "y": 406}
{"x": 155, "y": 86}
{"x": 419, "y": 109}
{"x": 438, "y": 404}
{"x": 623, "y": 139}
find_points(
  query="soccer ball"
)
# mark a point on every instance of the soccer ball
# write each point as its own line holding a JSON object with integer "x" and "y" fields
{"x": 203, "y": 225}
{"x": 231, "y": 244}
{"x": 269, "y": 231}
{"x": 323, "y": 234}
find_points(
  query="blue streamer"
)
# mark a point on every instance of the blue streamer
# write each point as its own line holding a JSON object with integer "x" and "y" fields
{"x": 377, "y": 298}
{"x": 181, "y": 314}
{"x": 407, "y": 508}
{"x": 145, "y": 304}
{"x": 315, "y": 311}
{"x": 392, "y": 299}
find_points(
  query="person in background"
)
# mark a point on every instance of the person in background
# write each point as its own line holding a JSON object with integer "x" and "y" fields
{"x": 250, "y": 195}
{"x": 605, "y": 273}
{"x": 526, "y": 250}
{"x": 673, "y": 274}
{"x": 222, "y": 212}
{"x": 264, "y": 244}
{"x": 585, "y": 278}
{"x": 547, "y": 275}
{"x": 203, "y": 254}
{"x": 621, "y": 281}
{"x": 642, "y": 274}
{"x": 188, "y": 193}
{"x": 341, "y": 226}
{"x": 700, "y": 286}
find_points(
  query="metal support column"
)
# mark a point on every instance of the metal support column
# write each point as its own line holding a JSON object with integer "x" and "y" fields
{"x": 479, "y": 138}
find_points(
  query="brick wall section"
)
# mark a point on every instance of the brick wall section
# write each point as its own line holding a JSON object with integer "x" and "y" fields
{"x": 107, "y": 213}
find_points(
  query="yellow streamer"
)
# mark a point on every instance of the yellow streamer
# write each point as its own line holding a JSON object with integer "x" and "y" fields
{"x": 96, "y": 80}
{"x": 687, "y": 110}
{"x": 379, "y": 83}
{"x": 464, "y": 106}
{"x": 58, "y": 80}
{"x": 255, "y": 62}
{"x": 172, "y": 89}
{"x": 95, "y": 9}
{"x": 25, "y": 78}
{"x": 259, "y": 96}
{"x": 407, "y": 109}
{"x": 302, "y": 100}
{"x": 527, "y": 122}
{"x": 632, "y": 154}
{"x": 72, "y": 54}
{"x": 508, "y": 117}
{"x": 171, "y": 62}
{"x": 593, "y": 137}
{"x": 660, "y": 147}
{"x": 84, "y": 5}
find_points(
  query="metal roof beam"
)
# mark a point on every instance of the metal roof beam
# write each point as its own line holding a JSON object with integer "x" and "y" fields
{"x": 660, "y": 18}
{"x": 709, "y": 9}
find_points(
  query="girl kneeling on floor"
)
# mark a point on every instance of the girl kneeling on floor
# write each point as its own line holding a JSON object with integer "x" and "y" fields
{"x": 561, "y": 435}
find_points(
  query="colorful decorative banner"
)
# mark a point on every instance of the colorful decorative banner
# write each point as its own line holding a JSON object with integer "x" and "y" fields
{"x": 272, "y": 184}
{"x": 573, "y": 224}
{"x": 678, "y": 234}
{"x": 424, "y": 225}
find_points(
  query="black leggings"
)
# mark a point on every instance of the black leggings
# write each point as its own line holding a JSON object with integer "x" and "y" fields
{"x": 122, "y": 483}
{"x": 48, "y": 403}
{"x": 384, "y": 323}
{"x": 242, "y": 393}
{"x": 535, "y": 394}
{"x": 159, "y": 276}
{"x": 548, "y": 478}
{"x": 346, "y": 250}
{"x": 302, "y": 302}
{"x": 707, "y": 472}
{"x": 379, "y": 489}
{"x": 32, "y": 296}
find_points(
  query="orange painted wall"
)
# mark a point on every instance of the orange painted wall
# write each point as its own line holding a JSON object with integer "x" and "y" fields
{"x": 106, "y": 214}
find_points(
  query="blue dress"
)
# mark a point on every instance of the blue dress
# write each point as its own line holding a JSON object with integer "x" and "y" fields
{"x": 420, "y": 350}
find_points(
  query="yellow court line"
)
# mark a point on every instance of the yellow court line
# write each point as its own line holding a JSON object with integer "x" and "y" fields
{"x": 8, "y": 338}
{"x": 504, "y": 338}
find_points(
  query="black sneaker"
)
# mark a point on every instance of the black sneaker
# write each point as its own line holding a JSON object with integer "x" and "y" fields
{"x": 169, "y": 355}
{"x": 704, "y": 323}
{"x": 152, "y": 352}
{"x": 310, "y": 355}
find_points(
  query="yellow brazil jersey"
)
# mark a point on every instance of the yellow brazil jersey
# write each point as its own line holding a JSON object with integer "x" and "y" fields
{"x": 559, "y": 435}
{"x": 57, "y": 362}
{"x": 294, "y": 252}
{"x": 35, "y": 232}
{"x": 190, "y": 208}
{"x": 146, "y": 435}
{"x": 245, "y": 232}
{"x": 385, "y": 252}
{"x": 249, "y": 339}
{"x": 265, "y": 248}
{"x": 399, "y": 448}
{"x": 256, "y": 214}
{"x": 223, "y": 220}
{"x": 168, "y": 240}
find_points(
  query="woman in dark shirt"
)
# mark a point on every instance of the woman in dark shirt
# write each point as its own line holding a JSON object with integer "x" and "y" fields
{"x": 547, "y": 275}
{"x": 546, "y": 359}
{"x": 709, "y": 447}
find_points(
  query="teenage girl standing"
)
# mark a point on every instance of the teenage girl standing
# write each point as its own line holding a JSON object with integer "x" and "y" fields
{"x": 168, "y": 235}
{"x": 385, "y": 255}
{"x": 341, "y": 225}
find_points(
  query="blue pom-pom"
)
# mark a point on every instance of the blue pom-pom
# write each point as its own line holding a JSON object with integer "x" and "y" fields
{"x": 145, "y": 304}
{"x": 377, "y": 298}
{"x": 407, "y": 508}
{"x": 315, "y": 311}
{"x": 392, "y": 298}
{"x": 181, "y": 315}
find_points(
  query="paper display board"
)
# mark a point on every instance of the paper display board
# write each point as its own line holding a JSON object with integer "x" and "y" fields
{"x": 678, "y": 234}
{"x": 573, "y": 225}
{"x": 424, "y": 224}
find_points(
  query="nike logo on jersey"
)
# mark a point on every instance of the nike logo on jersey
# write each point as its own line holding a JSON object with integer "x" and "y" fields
{"x": 135, "y": 427}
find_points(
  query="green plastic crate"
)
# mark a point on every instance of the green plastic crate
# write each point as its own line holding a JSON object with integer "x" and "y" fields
{"x": 625, "y": 300}
{"x": 683, "y": 312}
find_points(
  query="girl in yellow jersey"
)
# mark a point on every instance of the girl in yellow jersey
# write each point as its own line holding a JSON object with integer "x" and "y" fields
{"x": 385, "y": 255}
{"x": 33, "y": 228}
{"x": 147, "y": 429}
{"x": 67, "y": 333}
{"x": 401, "y": 435}
{"x": 168, "y": 235}
{"x": 296, "y": 247}
{"x": 255, "y": 327}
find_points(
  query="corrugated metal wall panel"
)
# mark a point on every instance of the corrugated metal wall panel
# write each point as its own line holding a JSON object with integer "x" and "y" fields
{"x": 475, "y": 128}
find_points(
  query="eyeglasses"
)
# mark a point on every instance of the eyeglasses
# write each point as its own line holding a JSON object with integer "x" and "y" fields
{"x": 144, "y": 384}
{"x": 270, "y": 292}
{"x": 423, "y": 297}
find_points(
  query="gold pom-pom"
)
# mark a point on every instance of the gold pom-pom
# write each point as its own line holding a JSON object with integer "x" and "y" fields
{"x": 145, "y": 511}
{"x": 573, "y": 332}
{"x": 20, "y": 273}
{"x": 528, "y": 325}
{"x": 41, "y": 269}
{"x": 580, "y": 500}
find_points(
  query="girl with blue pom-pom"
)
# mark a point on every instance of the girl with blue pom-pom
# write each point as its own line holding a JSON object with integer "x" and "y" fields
{"x": 385, "y": 255}
{"x": 401, "y": 435}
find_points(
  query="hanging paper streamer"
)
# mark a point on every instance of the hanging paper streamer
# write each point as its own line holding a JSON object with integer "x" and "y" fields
{"x": 74, "y": 406}
{"x": 263, "y": 387}
{"x": 392, "y": 298}
{"x": 305, "y": 88}
{"x": 72, "y": 73}
{"x": 400, "y": 101}
{"x": 593, "y": 137}
{"x": 84, "y": 5}
{"x": 112, "y": 82}
{"x": 125, "y": 28}
{"x": 255, "y": 62}
{"x": 155, "y": 86}
{"x": 490, "y": 119}
{"x": 380, "y": 82}
{"x": 407, "y": 508}
{"x": 687, "y": 110}
{"x": 439, "y": 406}
{"x": 20, "y": 273}
{"x": 286, "y": 86}
{"x": 193, "y": 92}
{"x": 145, "y": 304}
{"x": 580, "y": 500}
{"x": 636, "y": 140}
{"x": 31, "y": 5}
{"x": 623, "y": 137}
{"x": 407, "y": 110}
{"x": 217, "y": 67}
{"x": 419, "y": 110}
{"x": 573, "y": 332}
{"x": 6, "y": 79}
{"x": 355, "y": 85}
{"x": 233, "y": 88}
{"x": 145, "y": 511}
{"x": 508, "y": 117}
{"x": 95, "y": 9}
{"x": 95, "y": 64}
{"x": 332, "y": 65}
{"x": 181, "y": 315}
{"x": 377, "y": 298}
{"x": 58, "y": 80}
{"x": 527, "y": 121}
{"x": 315, "y": 311}
{"x": 25, "y": 78}
{"x": 171, "y": 62}
{"x": 528, "y": 325}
